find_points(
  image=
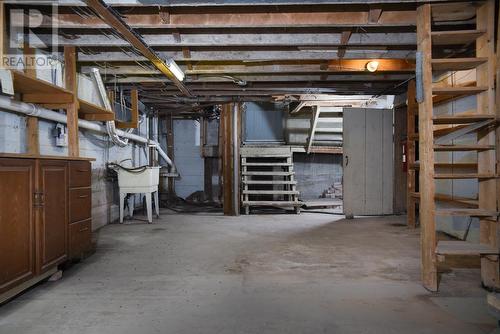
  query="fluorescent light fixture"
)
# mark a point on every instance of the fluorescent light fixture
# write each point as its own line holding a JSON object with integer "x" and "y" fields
{"x": 175, "y": 69}
{"x": 372, "y": 66}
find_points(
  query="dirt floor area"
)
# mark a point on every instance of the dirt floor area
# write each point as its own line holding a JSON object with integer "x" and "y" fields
{"x": 285, "y": 273}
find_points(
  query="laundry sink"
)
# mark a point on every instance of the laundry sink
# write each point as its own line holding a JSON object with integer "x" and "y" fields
{"x": 147, "y": 177}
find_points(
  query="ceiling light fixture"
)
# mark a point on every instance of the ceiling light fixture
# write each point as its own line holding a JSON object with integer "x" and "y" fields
{"x": 372, "y": 66}
{"x": 175, "y": 69}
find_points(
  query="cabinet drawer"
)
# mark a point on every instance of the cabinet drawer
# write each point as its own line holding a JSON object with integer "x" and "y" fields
{"x": 80, "y": 204}
{"x": 79, "y": 174}
{"x": 80, "y": 239}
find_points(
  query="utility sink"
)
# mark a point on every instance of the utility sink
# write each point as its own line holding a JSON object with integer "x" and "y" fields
{"x": 149, "y": 177}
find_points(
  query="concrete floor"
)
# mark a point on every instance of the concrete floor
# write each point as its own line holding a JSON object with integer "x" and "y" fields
{"x": 205, "y": 273}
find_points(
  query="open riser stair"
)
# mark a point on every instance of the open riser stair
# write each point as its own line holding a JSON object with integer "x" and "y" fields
{"x": 435, "y": 151}
{"x": 267, "y": 178}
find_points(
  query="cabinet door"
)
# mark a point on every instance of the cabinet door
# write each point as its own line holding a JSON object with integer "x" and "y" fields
{"x": 53, "y": 215}
{"x": 17, "y": 230}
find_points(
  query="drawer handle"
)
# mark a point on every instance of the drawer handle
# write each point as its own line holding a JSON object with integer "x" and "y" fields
{"x": 84, "y": 229}
{"x": 83, "y": 196}
{"x": 83, "y": 170}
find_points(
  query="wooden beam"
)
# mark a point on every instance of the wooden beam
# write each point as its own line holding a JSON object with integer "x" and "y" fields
{"x": 374, "y": 15}
{"x": 71, "y": 82}
{"x": 410, "y": 155}
{"x": 3, "y": 32}
{"x": 32, "y": 135}
{"x": 426, "y": 154}
{"x": 108, "y": 15}
{"x": 490, "y": 274}
{"x": 227, "y": 171}
{"x": 384, "y": 65}
{"x": 344, "y": 40}
{"x": 134, "y": 112}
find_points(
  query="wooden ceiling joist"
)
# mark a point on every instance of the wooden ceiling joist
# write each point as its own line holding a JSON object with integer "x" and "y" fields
{"x": 108, "y": 15}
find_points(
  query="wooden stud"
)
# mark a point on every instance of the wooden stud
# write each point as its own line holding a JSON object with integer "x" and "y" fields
{"x": 485, "y": 19}
{"x": 410, "y": 155}
{"x": 71, "y": 82}
{"x": 426, "y": 154}
{"x": 32, "y": 136}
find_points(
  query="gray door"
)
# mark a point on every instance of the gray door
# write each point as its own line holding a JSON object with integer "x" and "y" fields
{"x": 368, "y": 161}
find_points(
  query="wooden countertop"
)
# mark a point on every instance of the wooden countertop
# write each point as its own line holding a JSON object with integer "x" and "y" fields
{"x": 48, "y": 157}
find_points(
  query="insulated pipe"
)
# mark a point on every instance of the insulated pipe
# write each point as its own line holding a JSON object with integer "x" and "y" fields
{"x": 36, "y": 111}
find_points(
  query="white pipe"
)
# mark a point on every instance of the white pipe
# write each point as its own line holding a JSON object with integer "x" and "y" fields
{"x": 33, "y": 110}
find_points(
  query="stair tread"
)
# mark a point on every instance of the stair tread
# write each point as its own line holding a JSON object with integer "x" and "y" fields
{"x": 461, "y": 119}
{"x": 463, "y": 147}
{"x": 269, "y": 182}
{"x": 466, "y": 212}
{"x": 273, "y": 203}
{"x": 329, "y": 130}
{"x": 271, "y": 192}
{"x": 455, "y": 37}
{"x": 272, "y": 173}
{"x": 464, "y": 176}
{"x": 458, "y": 247}
{"x": 266, "y": 164}
{"x": 458, "y": 90}
{"x": 457, "y": 64}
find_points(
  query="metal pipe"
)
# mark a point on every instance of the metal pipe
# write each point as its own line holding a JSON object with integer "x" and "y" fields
{"x": 34, "y": 110}
{"x": 236, "y": 160}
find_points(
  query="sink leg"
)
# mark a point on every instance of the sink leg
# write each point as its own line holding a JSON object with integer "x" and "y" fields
{"x": 157, "y": 205}
{"x": 131, "y": 203}
{"x": 149, "y": 208}
{"x": 122, "y": 204}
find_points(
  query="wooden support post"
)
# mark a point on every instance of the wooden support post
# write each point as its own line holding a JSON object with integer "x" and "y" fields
{"x": 485, "y": 47}
{"x": 410, "y": 155}
{"x": 32, "y": 137}
{"x": 227, "y": 161}
{"x": 426, "y": 154}
{"x": 71, "y": 82}
{"x": 3, "y": 30}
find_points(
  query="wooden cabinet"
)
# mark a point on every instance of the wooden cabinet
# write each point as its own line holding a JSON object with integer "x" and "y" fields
{"x": 80, "y": 209}
{"x": 52, "y": 213}
{"x": 17, "y": 223}
{"x": 45, "y": 217}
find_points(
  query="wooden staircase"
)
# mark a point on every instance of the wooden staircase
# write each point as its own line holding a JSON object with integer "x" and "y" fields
{"x": 439, "y": 133}
{"x": 267, "y": 177}
{"x": 326, "y": 128}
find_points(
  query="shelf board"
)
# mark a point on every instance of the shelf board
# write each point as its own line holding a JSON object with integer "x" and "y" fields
{"x": 34, "y": 90}
{"x": 457, "y": 37}
{"x": 93, "y": 112}
{"x": 457, "y": 64}
{"x": 270, "y": 192}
